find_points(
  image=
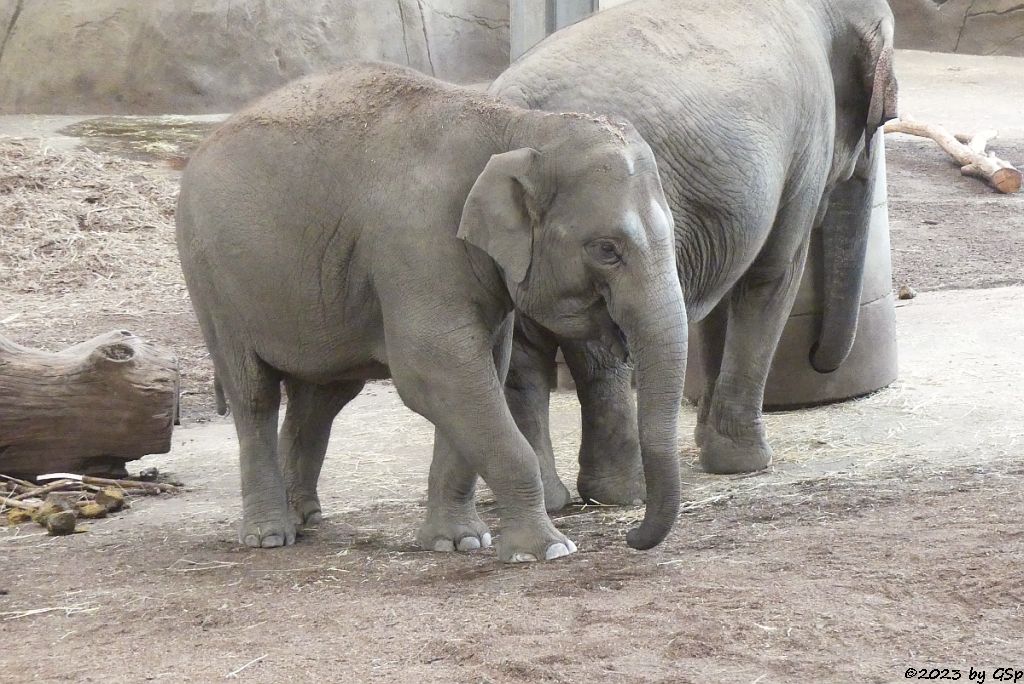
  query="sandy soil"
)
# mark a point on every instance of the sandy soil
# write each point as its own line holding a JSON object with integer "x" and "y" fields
{"x": 887, "y": 536}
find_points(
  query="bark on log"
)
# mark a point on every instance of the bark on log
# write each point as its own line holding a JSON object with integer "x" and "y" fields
{"x": 969, "y": 153}
{"x": 87, "y": 409}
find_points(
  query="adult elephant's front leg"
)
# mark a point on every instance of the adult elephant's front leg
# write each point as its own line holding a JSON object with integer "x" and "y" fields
{"x": 528, "y": 387}
{"x": 732, "y": 437}
{"x": 611, "y": 471}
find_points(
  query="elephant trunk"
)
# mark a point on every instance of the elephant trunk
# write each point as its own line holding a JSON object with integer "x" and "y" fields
{"x": 653, "y": 319}
{"x": 845, "y": 231}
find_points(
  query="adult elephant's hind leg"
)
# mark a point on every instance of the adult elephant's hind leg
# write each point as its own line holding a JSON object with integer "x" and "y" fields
{"x": 303, "y": 442}
{"x": 711, "y": 338}
{"x": 611, "y": 471}
{"x": 528, "y": 393}
{"x": 733, "y": 439}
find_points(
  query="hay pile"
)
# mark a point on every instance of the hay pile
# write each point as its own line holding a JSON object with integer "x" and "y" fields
{"x": 76, "y": 219}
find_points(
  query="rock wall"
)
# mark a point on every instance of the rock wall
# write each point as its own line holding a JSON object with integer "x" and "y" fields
{"x": 976, "y": 27}
{"x": 468, "y": 39}
{"x": 199, "y": 56}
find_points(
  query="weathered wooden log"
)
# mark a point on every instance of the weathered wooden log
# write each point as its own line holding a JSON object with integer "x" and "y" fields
{"x": 87, "y": 409}
{"x": 968, "y": 151}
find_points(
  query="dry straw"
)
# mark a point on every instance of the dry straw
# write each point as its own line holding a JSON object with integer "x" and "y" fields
{"x": 76, "y": 219}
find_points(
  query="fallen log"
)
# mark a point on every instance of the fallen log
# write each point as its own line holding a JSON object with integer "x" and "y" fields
{"x": 87, "y": 409}
{"x": 968, "y": 151}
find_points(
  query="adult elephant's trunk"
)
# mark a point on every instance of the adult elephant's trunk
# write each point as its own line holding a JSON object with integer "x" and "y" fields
{"x": 845, "y": 231}
{"x": 653, "y": 319}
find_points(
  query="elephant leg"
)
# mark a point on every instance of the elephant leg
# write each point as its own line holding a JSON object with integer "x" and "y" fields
{"x": 733, "y": 438}
{"x": 452, "y": 522}
{"x": 711, "y": 337}
{"x": 303, "y": 440}
{"x": 611, "y": 471}
{"x": 254, "y": 392}
{"x": 528, "y": 393}
{"x": 460, "y": 393}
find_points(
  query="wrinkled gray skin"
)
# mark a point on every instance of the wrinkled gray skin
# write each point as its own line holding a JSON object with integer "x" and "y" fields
{"x": 374, "y": 222}
{"x": 756, "y": 117}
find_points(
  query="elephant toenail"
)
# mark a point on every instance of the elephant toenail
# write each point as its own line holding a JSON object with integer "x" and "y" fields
{"x": 572, "y": 547}
{"x": 444, "y": 545}
{"x": 523, "y": 558}
{"x": 486, "y": 540}
{"x": 314, "y": 518}
{"x": 556, "y": 551}
{"x": 469, "y": 544}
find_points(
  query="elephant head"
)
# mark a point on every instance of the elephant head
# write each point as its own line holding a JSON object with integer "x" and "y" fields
{"x": 582, "y": 233}
{"x": 866, "y": 95}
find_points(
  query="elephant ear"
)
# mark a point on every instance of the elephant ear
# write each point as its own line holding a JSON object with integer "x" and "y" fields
{"x": 880, "y": 80}
{"x": 501, "y": 208}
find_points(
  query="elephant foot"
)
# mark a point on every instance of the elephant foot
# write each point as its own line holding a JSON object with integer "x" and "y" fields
{"x": 700, "y": 433}
{"x": 531, "y": 543}
{"x": 556, "y": 496}
{"x": 306, "y": 510}
{"x": 446, "y": 533}
{"x": 724, "y": 455}
{"x": 621, "y": 489}
{"x": 267, "y": 532}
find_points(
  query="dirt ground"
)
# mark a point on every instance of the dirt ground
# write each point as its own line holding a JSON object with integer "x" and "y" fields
{"x": 887, "y": 536}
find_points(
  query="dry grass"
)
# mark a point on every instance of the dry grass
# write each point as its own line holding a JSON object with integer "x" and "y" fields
{"x": 76, "y": 219}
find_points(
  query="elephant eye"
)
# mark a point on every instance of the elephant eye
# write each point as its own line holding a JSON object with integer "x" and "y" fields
{"x": 605, "y": 252}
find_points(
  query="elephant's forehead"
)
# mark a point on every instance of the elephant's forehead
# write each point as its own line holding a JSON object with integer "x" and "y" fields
{"x": 605, "y": 160}
{"x": 640, "y": 221}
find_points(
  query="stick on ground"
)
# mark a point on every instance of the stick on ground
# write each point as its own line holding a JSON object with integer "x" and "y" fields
{"x": 14, "y": 503}
{"x": 968, "y": 151}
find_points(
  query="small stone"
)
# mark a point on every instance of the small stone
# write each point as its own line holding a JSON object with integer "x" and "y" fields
{"x": 43, "y": 513}
{"x": 906, "y": 292}
{"x": 110, "y": 498}
{"x": 91, "y": 509}
{"x": 17, "y": 516}
{"x": 61, "y": 523}
{"x": 149, "y": 474}
{"x": 65, "y": 501}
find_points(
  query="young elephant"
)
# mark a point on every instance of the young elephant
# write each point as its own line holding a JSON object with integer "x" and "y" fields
{"x": 373, "y": 223}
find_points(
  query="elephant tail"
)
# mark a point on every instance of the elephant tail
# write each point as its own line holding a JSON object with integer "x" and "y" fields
{"x": 218, "y": 391}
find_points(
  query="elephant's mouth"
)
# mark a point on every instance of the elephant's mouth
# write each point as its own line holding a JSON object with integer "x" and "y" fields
{"x": 615, "y": 340}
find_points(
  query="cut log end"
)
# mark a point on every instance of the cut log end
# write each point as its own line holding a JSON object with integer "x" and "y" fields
{"x": 1007, "y": 181}
{"x": 87, "y": 409}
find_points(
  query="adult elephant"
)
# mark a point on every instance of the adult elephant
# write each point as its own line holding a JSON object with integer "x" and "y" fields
{"x": 758, "y": 117}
